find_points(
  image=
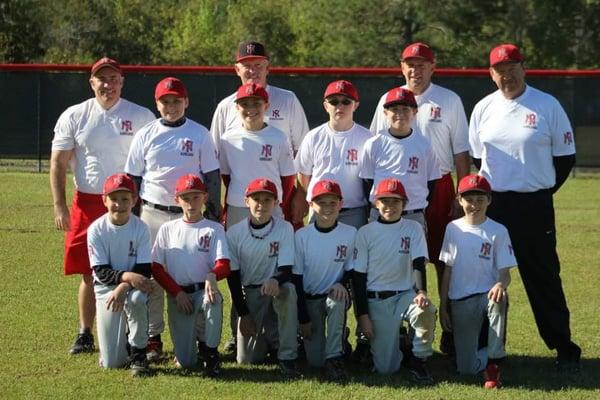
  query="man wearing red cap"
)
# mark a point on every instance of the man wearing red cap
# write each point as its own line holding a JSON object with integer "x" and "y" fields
{"x": 160, "y": 153}
{"x": 522, "y": 142}
{"x": 92, "y": 137}
{"x": 442, "y": 119}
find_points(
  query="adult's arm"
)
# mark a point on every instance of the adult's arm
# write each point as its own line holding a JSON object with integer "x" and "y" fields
{"x": 59, "y": 163}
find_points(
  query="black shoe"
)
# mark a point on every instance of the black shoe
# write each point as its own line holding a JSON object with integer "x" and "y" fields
{"x": 568, "y": 359}
{"x": 301, "y": 349}
{"x": 202, "y": 351}
{"x": 271, "y": 357}
{"x": 334, "y": 370}
{"x": 212, "y": 366}
{"x": 84, "y": 343}
{"x": 138, "y": 363}
{"x": 447, "y": 344}
{"x": 419, "y": 371}
{"x": 362, "y": 352}
{"x": 230, "y": 347}
{"x": 289, "y": 370}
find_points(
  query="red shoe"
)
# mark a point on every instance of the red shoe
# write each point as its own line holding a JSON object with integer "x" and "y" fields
{"x": 492, "y": 377}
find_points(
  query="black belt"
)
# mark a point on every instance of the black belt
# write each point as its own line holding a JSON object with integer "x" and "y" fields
{"x": 193, "y": 288}
{"x": 384, "y": 294}
{"x": 315, "y": 296}
{"x": 252, "y": 286}
{"x": 171, "y": 209}
{"x": 416, "y": 211}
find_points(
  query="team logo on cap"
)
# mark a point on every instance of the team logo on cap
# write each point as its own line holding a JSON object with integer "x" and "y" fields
{"x": 328, "y": 186}
{"x": 250, "y": 89}
{"x": 473, "y": 180}
{"x": 341, "y": 85}
{"x": 169, "y": 85}
{"x": 415, "y": 50}
{"x": 502, "y": 53}
{"x": 118, "y": 180}
{"x": 263, "y": 183}
{"x": 250, "y": 48}
{"x": 392, "y": 186}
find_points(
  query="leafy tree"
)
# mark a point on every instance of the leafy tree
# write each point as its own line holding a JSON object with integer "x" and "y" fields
{"x": 20, "y": 31}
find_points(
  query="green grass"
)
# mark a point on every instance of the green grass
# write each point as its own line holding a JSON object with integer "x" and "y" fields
{"x": 38, "y": 321}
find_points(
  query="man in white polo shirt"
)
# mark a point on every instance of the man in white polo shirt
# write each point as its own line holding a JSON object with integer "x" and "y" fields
{"x": 522, "y": 142}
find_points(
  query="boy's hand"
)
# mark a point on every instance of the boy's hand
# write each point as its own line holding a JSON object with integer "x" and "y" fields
{"x": 306, "y": 330}
{"x": 184, "y": 302}
{"x": 270, "y": 288}
{"x": 497, "y": 293}
{"x": 421, "y": 299}
{"x": 138, "y": 281}
{"x": 247, "y": 326}
{"x": 338, "y": 292}
{"x": 116, "y": 300}
{"x": 211, "y": 289}
{"x": 366, "y": 326}
{"x": 445, "y": 319}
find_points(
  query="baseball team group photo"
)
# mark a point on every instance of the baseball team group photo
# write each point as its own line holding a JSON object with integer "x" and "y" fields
{"x": 434, "y": 251}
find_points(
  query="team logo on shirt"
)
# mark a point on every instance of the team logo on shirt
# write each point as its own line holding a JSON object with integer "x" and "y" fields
{"x": 404, "y": 245}
{"x": 275, "y": 115}
{"x": 340, "y": 254}
{"x": 530, "y": 121}
{"x": 486, "y": 249}
{"x": 187, "y": 147}
{"x": 266, "y": 153}
{"x": 352, "y": 157}
{"x": 273, "y": 249}
{"x": 413, "y": 165}
{"x": 435, "y": 114}
{"x": 126, "y": 128}
{"x": 204, "y": 243}
{"x": 132, "y": 250}
{"x": 568, "y": 138}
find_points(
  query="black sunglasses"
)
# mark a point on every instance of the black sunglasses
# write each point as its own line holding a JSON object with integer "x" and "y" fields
{"x": 335, "y": 102}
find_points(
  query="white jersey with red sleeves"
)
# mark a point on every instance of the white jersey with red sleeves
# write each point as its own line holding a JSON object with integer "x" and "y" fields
{"x": 329, "y": 154}
{"x": 188, "y": 250}
{"x": 409, "y": 159}
{"x": 385, "y": 252}
{"x": 285, "y": 113}
{"x": 322, "y": 257}
{"x": 517, "y": 138}
{"x": 160, "y": 154}
{"x": 257, "y": 253}
{"x": 475, "y": 253}
{"x": 441, "y": 118}
{"x": 100, "y": 138}
{"x": 120, "y": 246}
{"x": 247, "y": 155}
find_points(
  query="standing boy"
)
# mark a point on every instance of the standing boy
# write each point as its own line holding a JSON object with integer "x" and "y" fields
{"x": 119, "y": 251}
{"x": 262, "y": 255}
{"x": 390, "y": 283}
{"x": 478, "y": 256}
{"x": 324, "y": 252}
{"x": 189, "y": 256}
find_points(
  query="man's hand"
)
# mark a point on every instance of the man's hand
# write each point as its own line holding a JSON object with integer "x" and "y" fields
{"x": 270, "y": 288}
{"x": 247, "y": 326}
{"x": 62, "y": 218}
{"x": 366, "y": 326}
{"x": 184, "y": 302}
{"x": 445, "y": 319}
{"x": 338, "y": 292}
{"x": 421, "y": 299}
{"x": 306, "y": 330}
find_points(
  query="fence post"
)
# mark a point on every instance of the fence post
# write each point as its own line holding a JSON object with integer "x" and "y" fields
{"x": 38, "y": 121}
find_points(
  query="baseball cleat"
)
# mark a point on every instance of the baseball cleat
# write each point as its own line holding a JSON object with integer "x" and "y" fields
{"x": 419, "y": 371}
{"x": 212, "y": 366}
{"x": 492, "y": 377}
{"x": 154, "y": 352}
{"x": 362, "y": 352}
{"x": 289, "y": 370}
{"x": 334, "y": 370}
{"x": 84, "y": 343}
{"x": 140, "y": 368}
{"x": 447, "y": 344}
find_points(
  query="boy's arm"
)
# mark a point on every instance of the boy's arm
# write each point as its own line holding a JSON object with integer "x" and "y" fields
{"x": 234, "y": 281}
{"x": 144, "y": 269}
{"x": 498, "y": 291}
{"x": 420, "y": 274}
{"x": 106, "y": 275}
{"x": 445, "y": 320}
{"x": 303, "y": 317}
{"x": 138, "y": 204}
{"x": 165, "y": 280}
{"x": 212, "y": 180}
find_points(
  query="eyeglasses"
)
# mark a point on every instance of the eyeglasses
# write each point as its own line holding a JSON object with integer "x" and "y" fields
{"x": 335, "y": 102}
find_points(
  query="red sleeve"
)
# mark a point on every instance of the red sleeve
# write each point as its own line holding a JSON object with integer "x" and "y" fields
{"x": 221, "y": 269}
{"x": 287, "y": 182}
{"x": 161, "y": 276}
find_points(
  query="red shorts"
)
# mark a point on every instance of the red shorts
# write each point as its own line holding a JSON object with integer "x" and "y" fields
{"x": 437, "y": 215}
{"x": 86, "y": 209}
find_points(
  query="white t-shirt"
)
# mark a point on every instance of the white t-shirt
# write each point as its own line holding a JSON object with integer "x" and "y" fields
{"x": 258, "y": 259}
{"x": 385, "y": 252}
{"x": 517, "y": 138}
{"x": 285, "y": 113}
{"x": 120, "y": 246}
{"x": 329, "y": 154}
{"x": 322, "y": 257}
{"x": 475, "y": 253}
{"x": 441, "y": 118}
{"x": 161, "y": 154}
{"x": 189, "y": 250}
{"x": 247, "y": 155}
{"x": 409, "y": 159}
{"x": 100, "y": 137}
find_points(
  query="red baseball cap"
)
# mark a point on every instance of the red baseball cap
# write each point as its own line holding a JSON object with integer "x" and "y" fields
{"x": 418, "y": 50}
{"x": 106, "y": 62}
{"x": 505, "y": 53}
{"x": 117, "y": 182}
{"x": 189, "y": 183}
{"x": 474, "y": 183}
{"x": 342, "y": 87}
{"x": 390, "y": 187}
{"x": 248, "y": 50}
{"x": 261, "y": 185}
{"x": 326, "y": 186}
{"x": 172, "y": 86}
{"x": 252, "y": 90}
{"x": 400, "y": 96}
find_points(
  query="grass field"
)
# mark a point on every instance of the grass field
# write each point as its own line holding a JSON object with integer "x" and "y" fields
{"x": 38, "y": 321}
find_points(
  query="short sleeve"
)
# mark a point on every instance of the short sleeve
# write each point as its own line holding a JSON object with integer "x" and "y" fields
{"x": 367, "y": 161}
{"x": 64, "y": 132}
{"x": 504, "y": 256}
{"x": 144, "y": 251}
{"x": 136, "y": 162}
{"x": 379, "y": 121}
{"x": 298, "y": 267}
{"x": 474, "y": 140}
{"x": 563, "y": 140}
{"x": 448, "y": 250}
{"x": 298, "y": 123}
{"x": 97, "y": 250}
{"x": 159, "y": 248}
{"x": 232, "y": 242}
{"x": 418, "y": 247}
{"x": 361, "y": 252}
{"x": 220, "y": 248}
{"x": 459, "y": 129}
{"x": 304, "y": 159}
{"x": 208, "y": 154}
{"x": 286, "y": 247}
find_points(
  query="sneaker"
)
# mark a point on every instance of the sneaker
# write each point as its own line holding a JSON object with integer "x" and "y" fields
{"x": 334, "y": 370}
{"x": 154, "y": 351}
{"x": 362, "y": 352}
{"x": 84, "y": 343}
{"x": 289, "y": 370}
{"x": 447, "y": 344}
{"x": 492, "y": 377}
{"x": 568, "y": 359}
{"x": 419, "y": 371}
{"x": 212, "y": 365}
{"x": 139, "y": 367}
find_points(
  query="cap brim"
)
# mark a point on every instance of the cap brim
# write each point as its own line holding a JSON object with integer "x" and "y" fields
{"x": 400, "y": 102}
{"x": 190, "y": 191}
{"x": 249, "y": 97}
{"x": 174, "y": 93}
{"x": 384, "y": 195}
{"x": 120, "y": 189}
{"x": 250, "y": 58}
{"x": 251, "y": 192}
{"x": 474, "y": 190}
{"x": 98, "y": 68}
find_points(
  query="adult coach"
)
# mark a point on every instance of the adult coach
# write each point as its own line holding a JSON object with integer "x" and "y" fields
{"x": 94, "y": 138}
{"x": 522, "y": 142}
{"x": 441, "y": 118}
